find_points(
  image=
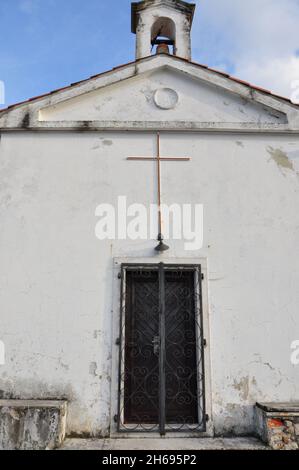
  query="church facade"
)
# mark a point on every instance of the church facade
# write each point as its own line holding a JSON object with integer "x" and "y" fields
{"x": 151, "y": 334}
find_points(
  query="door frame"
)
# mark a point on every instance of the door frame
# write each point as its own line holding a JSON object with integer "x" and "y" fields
{"x": 116, "y": 312}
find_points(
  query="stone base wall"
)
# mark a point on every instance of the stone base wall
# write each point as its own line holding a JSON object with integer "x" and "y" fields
{"x": 279, "y": 430}
{"x": 32, "y": 425}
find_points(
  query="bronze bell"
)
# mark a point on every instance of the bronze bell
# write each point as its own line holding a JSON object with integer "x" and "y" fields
{"x": 162, "y": 49}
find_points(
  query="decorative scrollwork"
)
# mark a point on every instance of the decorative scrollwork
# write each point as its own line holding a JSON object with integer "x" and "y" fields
{"x": 140, "y": 372}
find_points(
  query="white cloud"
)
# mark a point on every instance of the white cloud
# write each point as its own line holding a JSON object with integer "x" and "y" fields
{"x": 279, "y": 73}
{"x": 257, "y": 40}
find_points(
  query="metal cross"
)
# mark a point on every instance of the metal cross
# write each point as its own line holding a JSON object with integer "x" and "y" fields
{"x": 159, "y": 159}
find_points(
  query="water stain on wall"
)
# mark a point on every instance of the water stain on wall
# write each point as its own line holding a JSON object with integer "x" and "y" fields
{"x": 280, "y": 158}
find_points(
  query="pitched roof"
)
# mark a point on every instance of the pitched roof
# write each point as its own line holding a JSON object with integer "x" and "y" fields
{"x": 219, "y": 72}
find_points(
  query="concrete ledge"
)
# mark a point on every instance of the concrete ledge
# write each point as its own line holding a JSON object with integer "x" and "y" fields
{"x": 165, "y": 444}
{"x": 32, "y": 424}
{"x": 278, "y": 425}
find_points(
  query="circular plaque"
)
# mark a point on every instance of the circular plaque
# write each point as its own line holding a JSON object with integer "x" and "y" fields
{"x": 166, "y": 98}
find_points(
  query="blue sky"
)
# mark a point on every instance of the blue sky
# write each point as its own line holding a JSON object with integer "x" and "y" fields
{"x": 46, "y": 44}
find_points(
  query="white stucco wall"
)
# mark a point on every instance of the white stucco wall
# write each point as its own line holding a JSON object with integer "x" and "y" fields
{"x": 56, "y": 277}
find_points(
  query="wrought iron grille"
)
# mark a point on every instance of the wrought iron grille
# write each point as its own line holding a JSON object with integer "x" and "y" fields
{"x": 161, "y": 362}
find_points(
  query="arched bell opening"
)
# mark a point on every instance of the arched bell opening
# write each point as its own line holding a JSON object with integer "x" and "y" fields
{"x": 163, "y": 36}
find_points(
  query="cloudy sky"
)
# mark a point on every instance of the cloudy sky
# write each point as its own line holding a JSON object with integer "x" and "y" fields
{"x": 45, "y": 44}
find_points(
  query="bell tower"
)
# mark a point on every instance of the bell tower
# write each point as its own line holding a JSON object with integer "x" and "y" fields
{"x": 163, "y": 26}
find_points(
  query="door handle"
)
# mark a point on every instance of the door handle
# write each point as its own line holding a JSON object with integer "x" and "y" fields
{"x": 156, "y": 344}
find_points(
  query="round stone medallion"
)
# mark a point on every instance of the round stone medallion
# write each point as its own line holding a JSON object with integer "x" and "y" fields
{"x": 166, "y": 98}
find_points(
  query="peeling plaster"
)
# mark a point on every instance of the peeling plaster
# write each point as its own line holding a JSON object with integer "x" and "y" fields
{"x": 93, "y": 367}
{"x": 242, "y": 386}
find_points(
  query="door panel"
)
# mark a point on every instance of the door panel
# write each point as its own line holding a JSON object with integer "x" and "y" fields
{"x": 141, "y": 357}
{"x": 161, "y": 349}
{"x": 180, "y": 342}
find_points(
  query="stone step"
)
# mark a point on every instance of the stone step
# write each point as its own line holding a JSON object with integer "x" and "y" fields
{"x": 168, "y": 444}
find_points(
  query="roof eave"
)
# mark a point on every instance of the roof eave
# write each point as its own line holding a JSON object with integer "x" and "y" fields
{"x": 218, "y": 72}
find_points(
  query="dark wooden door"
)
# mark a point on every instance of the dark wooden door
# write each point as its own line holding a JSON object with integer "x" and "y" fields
{"x": 163, "y": 382}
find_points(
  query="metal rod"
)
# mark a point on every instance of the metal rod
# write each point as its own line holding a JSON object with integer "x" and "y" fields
{"x": 162, "y": 392}
{"x": 169, "y": 42}
{"x": 162, "y": 159}
{"x": 202, "y": 384}
{"x": 159, "y": 183}
{"x": 122, "y": 338}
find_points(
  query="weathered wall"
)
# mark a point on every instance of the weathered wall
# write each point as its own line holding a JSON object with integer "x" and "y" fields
{"x": 197, "y": 102}
{"x": 56, "y": 277}
{"x": 32, "y": 425}
{"x": 147, "y": 18}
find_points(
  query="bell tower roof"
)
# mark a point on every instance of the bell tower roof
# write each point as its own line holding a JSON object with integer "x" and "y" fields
{"x": 186, "y": 8}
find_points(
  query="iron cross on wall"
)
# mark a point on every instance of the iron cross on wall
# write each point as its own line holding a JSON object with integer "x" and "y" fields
{"x": 161, "y": 247}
